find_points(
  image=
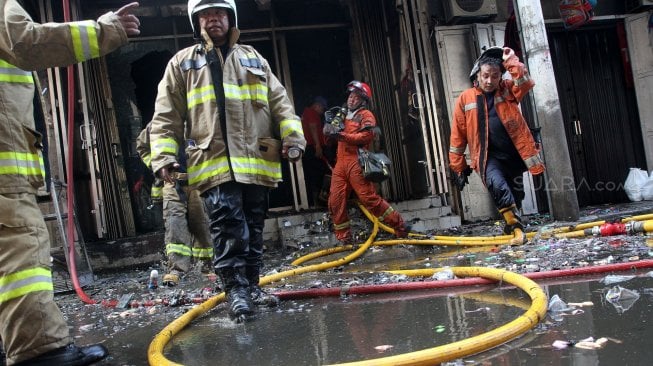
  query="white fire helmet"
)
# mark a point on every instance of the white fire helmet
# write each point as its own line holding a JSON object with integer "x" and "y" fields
{"x": 194, "y": 6}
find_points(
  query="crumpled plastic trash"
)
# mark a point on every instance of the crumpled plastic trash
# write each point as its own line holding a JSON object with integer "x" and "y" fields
{"x": 611, "y": 279}
{"x": 558, "y": 344}
{"x": 445, "y": 274}
{"x": 557, "y": 308}
{"x": 557, "y": 305}
{"x": 621, "y": 298}
{"x": 383, "y": 347}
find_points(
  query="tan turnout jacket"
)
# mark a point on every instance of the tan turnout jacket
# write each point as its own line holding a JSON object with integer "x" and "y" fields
{"x": 25, "y": 47}
{"x": 259, "y": 118}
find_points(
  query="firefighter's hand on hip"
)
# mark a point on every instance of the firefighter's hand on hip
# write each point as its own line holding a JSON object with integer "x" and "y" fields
{"x": 167, "y": 173}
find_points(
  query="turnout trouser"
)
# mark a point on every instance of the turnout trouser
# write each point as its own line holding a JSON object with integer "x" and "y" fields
{"x": 31, "y": 323}
{"x": 236, "y": 213}
{"x": 187, "y": 233}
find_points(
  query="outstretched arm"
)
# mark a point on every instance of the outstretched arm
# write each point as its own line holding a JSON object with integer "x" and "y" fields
{"x": 33, "y": 46}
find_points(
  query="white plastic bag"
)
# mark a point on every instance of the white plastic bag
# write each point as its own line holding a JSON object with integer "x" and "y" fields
{"x": 647, "y": 188}
{"x": 634, "y": 183}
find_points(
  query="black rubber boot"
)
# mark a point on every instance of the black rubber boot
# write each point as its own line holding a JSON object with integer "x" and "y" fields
{"x": 69, "y": 355}
{"x": 236, "y": 289}
{"x": 259, "y": 296}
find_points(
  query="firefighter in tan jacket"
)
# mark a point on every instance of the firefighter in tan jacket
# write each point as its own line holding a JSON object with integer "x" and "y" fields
{"x": 32, "y": 327}
{"x": 187, "y": 233}
{"x": 238, "y": 121}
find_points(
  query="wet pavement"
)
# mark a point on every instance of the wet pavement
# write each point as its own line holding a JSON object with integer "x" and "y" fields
{"x": 344, "y": 329}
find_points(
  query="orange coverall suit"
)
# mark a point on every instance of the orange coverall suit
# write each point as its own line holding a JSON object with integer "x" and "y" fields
{"x": 347, "y": 175}
{"x": 467, "y": 129}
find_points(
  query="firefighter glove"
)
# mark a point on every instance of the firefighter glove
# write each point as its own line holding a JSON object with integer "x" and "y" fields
{"x": 331, "y": 131}
{"x": 507, "y": 53}
{"x": 460, "y": 179}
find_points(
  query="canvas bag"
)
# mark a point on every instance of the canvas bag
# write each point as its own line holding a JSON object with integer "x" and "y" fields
{"x": 375, "y": 166}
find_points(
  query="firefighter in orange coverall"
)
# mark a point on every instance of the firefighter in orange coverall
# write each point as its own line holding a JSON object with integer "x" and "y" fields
{"x": 501, "y": 147}
{"x": 347, "y": 175}
{"x": 32, "y": 328}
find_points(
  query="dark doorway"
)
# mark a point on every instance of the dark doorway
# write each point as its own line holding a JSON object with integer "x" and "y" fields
{"x": 146, "y": 72}
{"x": 319, "y": 62}
{"x": 599, "y": 111}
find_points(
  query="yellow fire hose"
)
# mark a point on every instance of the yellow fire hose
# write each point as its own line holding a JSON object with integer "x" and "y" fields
{"x": 495, "y": 337}
{"x": 451, "y": 351}
{"x": 505, "y": 239}
{"x": 481, "y": 342}
{"x": 155, "y": 350}
{"x": 646, "y": 226}
{"x": 498, "y": 299}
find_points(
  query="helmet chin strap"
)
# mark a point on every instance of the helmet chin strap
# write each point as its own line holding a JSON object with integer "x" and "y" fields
{"x": 352, "y": 111}
{"x": 207, "y": 39}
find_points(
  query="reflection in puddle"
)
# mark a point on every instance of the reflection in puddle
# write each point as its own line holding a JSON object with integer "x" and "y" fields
{"x": 335, "y": 330}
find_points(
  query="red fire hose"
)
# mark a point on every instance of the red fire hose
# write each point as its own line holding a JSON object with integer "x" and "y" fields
{"x": 70, "y": 193}
{"x": 411, "y": 286}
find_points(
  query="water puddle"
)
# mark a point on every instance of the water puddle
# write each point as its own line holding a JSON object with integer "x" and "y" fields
{"x": 336, "y": 330}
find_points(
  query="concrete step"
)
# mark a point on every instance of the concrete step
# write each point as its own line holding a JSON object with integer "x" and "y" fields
{"x": 314, "y": 228}
{"x": 291, "y": 231}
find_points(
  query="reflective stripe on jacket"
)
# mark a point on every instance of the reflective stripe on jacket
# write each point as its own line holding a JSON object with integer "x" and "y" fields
{"x": 465, "y": 128}
{"x": 143, "y": 146}
{"x": 24, "y": 282}
{"x": 25, "y": 45}
{"x": 259, "y": 119}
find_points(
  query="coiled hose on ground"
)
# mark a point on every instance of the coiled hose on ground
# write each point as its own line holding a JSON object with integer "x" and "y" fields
{"x": 479, "y": 275}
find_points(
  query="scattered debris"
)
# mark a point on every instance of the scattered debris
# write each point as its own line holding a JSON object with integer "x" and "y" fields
{"x": 587, "y": 343}
{"x": 124, "y": 301}
{"x": 556, "y": 305}
{"x": 86, "y": 327}
{"x": 621, "y": 298}
{"x": 590, "y": 343}
{"x": 444, "y": 274}
{"x": 611, "y": 279}
{"x": 477, "y": 310}
{"x": 127, "y": 300}
{"x": 383, "y": 348}
{"x": 580, "y": 304}
{"x": 558, "y": 309}
{"x": 154, "y": 280}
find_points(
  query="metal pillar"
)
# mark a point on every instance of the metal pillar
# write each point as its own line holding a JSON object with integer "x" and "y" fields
{"x": 559, "y": 178}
